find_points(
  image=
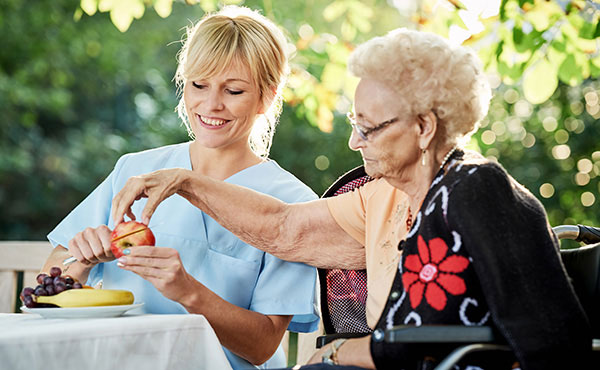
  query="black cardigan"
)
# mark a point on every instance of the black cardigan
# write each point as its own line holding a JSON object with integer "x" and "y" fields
{"x": 481, "y": 252}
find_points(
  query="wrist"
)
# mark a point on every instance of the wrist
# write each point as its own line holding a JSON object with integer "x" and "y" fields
{"x": 330, "y": 356}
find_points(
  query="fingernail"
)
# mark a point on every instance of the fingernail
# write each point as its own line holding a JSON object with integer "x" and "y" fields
{"x": 122, "y": 260}
{"x": 126, "y": 252}
{"x": 119, "y": 264}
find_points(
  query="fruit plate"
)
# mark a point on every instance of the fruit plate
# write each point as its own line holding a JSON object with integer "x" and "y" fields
{"x": 81, "y": 312}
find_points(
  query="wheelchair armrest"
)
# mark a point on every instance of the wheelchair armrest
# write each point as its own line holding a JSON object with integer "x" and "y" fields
{"x": 324, "y": 339}
{"x": 440, "y": 334}
{"x": 465, "y": 340}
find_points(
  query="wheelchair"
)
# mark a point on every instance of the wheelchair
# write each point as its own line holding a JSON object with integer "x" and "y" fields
{"x": 344, "y": 292}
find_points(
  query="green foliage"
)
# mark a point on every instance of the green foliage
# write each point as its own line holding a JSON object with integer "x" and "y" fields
{"x": 82, "y": 82}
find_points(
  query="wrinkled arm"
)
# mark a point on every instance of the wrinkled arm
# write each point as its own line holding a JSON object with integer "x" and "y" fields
{"x": 301, "y": 232}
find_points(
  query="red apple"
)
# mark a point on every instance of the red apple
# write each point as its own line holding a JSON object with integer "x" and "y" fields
{"x": 125, "y": 236}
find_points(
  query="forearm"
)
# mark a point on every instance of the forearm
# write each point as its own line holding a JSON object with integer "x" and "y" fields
{"x": 76, "y": 270}
{"x": 257, "y": 219}
{"x": 356, "y": 352}
{"x": 250, "y": 335}
{"x": 303, "y": 232}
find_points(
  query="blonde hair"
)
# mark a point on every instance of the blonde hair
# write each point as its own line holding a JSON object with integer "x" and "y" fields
{"x": 237, "y": 34}
{"x": 431, "y": 75}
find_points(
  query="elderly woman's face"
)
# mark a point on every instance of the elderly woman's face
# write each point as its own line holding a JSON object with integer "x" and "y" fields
{"x": 387, "y": 152}
{"x": 222, "y": 109}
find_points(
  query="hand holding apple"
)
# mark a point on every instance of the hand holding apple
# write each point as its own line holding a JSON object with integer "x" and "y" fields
{"x": 128, "y": 234}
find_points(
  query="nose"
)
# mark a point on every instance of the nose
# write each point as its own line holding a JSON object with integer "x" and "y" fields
{"x": 355, "y": 142}
{"x": 215, "y": 100}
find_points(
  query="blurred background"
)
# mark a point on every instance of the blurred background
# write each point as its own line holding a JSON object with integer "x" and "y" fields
{"x": 85, "y": 81}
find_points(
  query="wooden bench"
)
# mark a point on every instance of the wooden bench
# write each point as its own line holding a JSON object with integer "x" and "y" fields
{"x": 20, "y": 262}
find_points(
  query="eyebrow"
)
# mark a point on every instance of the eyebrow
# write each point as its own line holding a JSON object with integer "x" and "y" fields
{"x": 236, "y": 79}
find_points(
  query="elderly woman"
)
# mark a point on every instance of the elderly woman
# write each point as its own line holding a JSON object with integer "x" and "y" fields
{"x": 479, "y": 250}
{"x": 231, "y": 71}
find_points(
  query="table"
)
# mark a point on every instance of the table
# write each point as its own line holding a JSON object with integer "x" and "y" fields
{"x": 28, "y": 341}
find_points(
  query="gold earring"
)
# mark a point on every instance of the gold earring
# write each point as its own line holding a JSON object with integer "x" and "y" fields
{"x": 423, "y": 157}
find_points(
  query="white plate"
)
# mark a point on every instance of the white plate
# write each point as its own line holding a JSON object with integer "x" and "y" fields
{"x": 81, "y": 312}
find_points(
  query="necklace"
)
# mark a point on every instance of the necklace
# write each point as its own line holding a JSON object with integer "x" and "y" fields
{"x": 447, "y": 157}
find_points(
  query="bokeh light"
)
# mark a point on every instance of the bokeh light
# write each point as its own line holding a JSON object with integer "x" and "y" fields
{"x": 582, "y": 179}
{"x": 561, "y": 151}
{"x": 499, "y": 128}
{"x": 561, "y": 136}
{"x": 550, "y": 124}
{"x": 523, "y": 108}
{"x": 588, "y": 199}
{"x": 585, "y": 165}
{"x": 488, "y": 137}
{"x": 574, "y": 125}
{"x": 322, "y": 163}
{"x": 529, "y": 140}
{"x": 511, "y": 96}
{"x": 547, "y": 190}
{"x": 576, "y": 108}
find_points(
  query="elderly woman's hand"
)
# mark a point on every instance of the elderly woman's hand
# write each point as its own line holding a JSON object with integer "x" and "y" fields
{"x": 92, "y": 245}
{"x": 162, "y": 267}
{"x": 156, "y": 186}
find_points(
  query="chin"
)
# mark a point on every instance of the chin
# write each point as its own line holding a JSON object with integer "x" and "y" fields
{"x": 373, "y": 171}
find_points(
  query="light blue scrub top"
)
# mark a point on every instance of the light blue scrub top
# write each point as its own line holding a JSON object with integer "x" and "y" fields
{"x": 236, "y": 271}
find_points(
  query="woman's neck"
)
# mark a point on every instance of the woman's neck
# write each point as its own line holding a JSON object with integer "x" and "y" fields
{"x": 417, "y": 180}
{"x": 221, "y": 163}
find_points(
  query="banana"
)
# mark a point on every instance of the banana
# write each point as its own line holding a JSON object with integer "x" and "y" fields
{"x": 88, "y": 297}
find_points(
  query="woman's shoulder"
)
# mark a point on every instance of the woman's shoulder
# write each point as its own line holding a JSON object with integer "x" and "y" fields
{"x": 156, "y": 153}
{"x": 175, "y": 155}
{"x": 473, "y": 167}
{"x": 474, "y": 177}
{"x": 272, "y": 179}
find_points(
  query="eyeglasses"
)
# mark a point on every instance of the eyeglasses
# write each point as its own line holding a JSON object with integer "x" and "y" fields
{"x": 365, "y": 132}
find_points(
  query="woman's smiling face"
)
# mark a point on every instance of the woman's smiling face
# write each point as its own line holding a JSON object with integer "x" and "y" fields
{"x": 222, "y": 108}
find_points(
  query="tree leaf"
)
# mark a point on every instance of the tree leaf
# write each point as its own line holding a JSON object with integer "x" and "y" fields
{"x": 568, "y": 72}
{"x": 334, "y": 10}
{"x": 163, "y": 7}
{"x": 123, "y": 12}
{"x": 540, "y": 81}
{"x": 89, "y": 6}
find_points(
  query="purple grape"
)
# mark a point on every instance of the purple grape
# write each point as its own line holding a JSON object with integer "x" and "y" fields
{"x": 40, "y": 278}
{"x": 40, "y": 291}
{"x": 55, "y": 271}
{"x": 60, "y": 287}
{"x": 28, "y": 302}
{"x": 77, "y": 285}
{"x": 50, "y": 289}
{"x": 68, "y": 286}
{"x": 27, "y": 291}
{"x": 58, "y": 279}
{"x": 48, "y": 280}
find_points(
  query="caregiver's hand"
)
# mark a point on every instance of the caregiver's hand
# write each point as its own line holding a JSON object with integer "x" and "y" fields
{"x": 92, "y": 245}
{"x": 162, "y": 267}
{"x": 156, "y": 186}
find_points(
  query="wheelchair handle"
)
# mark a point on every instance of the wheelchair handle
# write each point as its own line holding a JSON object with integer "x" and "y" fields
{"x": 580, "y": 233}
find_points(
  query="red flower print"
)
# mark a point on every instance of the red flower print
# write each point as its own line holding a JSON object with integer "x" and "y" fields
{"x": 432, "y": 274}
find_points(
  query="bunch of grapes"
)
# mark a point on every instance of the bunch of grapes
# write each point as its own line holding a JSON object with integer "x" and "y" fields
{"x": 48, "y": 285}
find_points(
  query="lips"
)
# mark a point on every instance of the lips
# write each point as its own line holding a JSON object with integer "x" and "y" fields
{"x": 211, "y": 122}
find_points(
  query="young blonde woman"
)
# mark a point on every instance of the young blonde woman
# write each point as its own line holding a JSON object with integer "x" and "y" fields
{"x": 231, "y": 70}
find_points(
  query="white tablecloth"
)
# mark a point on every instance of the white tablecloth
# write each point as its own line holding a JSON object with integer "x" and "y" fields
{"x": 153, "y": 342}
